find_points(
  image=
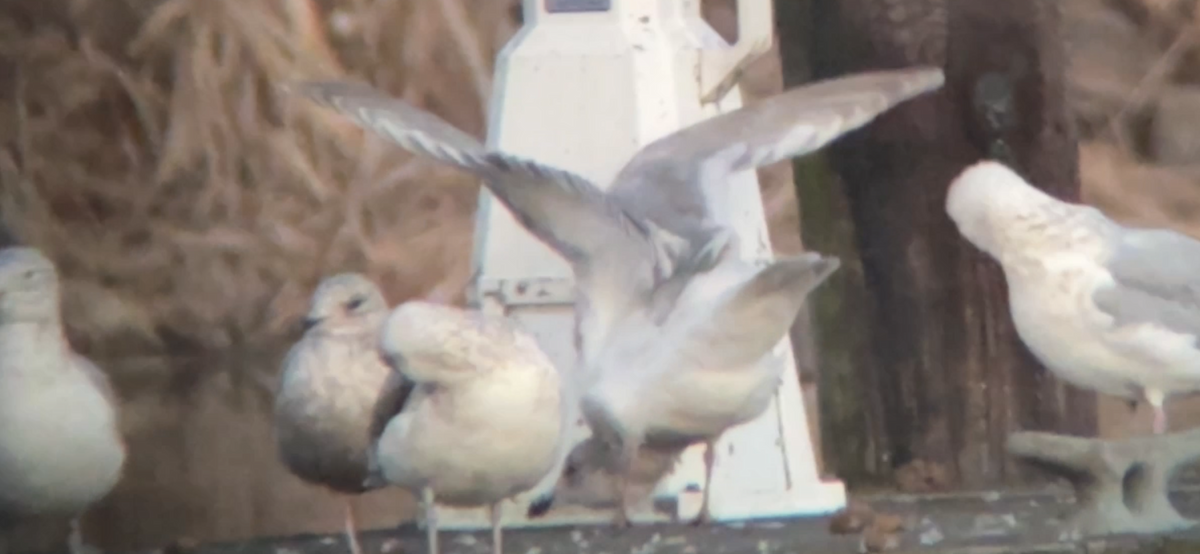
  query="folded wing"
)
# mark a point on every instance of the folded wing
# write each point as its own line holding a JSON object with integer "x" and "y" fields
{"x": 1157, "y": 274}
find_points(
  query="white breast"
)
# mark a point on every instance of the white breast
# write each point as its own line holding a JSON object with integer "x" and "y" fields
{"x": 59, "y": 445}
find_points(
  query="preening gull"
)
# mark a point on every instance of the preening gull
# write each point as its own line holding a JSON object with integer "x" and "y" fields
{"x": 335, "y": 391}
{"x": 486, "y": 420}
{"x": 1104, "y": 306}
{"x": 60, "y": 446}
{"x": 672, "y": 323}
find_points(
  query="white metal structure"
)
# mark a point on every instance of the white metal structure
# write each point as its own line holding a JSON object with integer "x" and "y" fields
{"x": 582, "y": 86}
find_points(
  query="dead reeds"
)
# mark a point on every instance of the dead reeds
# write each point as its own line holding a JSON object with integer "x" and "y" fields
{"x": 188, "y": 205}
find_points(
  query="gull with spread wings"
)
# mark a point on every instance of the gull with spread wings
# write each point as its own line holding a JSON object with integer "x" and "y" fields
{"x": 673, "y": 326}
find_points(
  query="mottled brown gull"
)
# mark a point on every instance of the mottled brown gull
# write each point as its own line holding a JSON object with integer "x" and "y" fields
{"x": 673, "y": 324}
{"x": 486, "y": 420}
{"x": 335, "y": 391}
{"x": 1104, "y": 306}
{"x": 60, "y": 446}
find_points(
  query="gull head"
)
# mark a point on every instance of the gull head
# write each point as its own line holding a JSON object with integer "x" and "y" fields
{"x": 988, "y": 200}
{"x": 589, "y": 476}
{"x": 28, "y": 286}
{"x": 346, "y": 304}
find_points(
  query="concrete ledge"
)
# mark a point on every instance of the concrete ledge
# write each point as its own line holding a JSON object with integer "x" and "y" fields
{"x": 978, "y": 523}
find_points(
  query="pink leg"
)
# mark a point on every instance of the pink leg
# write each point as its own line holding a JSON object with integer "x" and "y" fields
{"x": 1160, "y": 420}
{"x": 710, "y": 455}
{"x": 1157, "y": 399}
{"x": 628, "y": 454}
{"x": 351, "y": 527}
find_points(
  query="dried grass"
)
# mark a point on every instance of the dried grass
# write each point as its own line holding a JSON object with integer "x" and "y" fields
{"x": 189, "y": 208}
{"x": 1129, "y": 59}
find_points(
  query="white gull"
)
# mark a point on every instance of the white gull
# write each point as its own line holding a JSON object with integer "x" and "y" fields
{"x": 1105, "y": 307}
{"x": 60, "y": 446}
{"x": 486, "y": 420}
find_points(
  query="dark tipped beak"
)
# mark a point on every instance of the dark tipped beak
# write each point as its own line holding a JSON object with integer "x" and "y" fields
{"x": 540, "y": 506}
{"x": 309, "y": 323}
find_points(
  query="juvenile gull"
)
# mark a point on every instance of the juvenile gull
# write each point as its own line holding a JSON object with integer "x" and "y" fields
{"x": 486, "y": 420}
{"x": 672, "y": 324}
{"x": 335, "y": 391}
{"x": 1105, "y": 307}
{"x": 60, "y": 448}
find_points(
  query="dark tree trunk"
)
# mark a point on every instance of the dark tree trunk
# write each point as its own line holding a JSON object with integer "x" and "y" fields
{"x": 942, "y": 376}
{"x": 838, "y": 305}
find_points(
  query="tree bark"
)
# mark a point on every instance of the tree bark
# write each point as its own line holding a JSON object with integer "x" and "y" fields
{"x": 837, "y": 306}
{"x": 945, "y": 378}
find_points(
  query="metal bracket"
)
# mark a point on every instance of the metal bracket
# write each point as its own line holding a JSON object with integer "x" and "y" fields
{"x": 576, "y": 6}
{"x": 530, "y": 291}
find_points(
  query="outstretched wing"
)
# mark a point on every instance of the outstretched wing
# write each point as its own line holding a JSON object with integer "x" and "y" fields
{"x": 665, "y": 181}
{"x": 614, "y": 255}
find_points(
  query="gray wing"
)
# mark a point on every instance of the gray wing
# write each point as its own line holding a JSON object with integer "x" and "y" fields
{"x": 757, "y": 314}
{"x": 664, "y": 181}
{"x": 393, "y": 397}
{"x": 720, "y": 245}
{"x": 1157, "y": 274}
{"x": 600, "y": 239}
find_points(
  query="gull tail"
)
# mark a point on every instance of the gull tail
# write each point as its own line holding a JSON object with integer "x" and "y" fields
{"x": 755, "y": 316}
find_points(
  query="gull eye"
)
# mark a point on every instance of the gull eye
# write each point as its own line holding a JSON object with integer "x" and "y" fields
{"x": 355, "y": 303}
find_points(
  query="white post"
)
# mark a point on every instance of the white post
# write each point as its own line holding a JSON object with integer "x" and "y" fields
{"x": 582, "y": 86}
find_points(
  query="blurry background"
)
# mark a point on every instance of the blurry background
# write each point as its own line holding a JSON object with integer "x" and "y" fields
{"x": 191, "y": 212}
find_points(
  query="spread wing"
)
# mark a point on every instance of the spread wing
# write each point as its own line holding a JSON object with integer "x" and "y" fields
{"x": 615, "y": 256}
{"x": 666, "y": 179}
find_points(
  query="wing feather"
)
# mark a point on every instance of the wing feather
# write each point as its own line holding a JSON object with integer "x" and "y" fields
{"x": 666, "y": 180}
{"x": 608, "y": 248}
{"x": 1157, "y": 275}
